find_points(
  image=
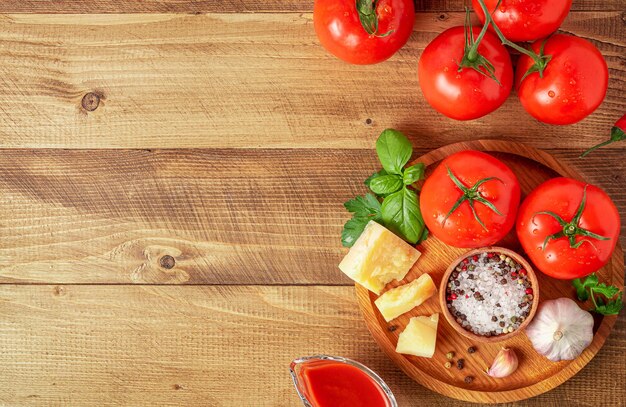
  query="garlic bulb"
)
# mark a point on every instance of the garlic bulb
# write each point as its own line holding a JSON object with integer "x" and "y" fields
{"x": 504, "y": 364}
{"x": 560, "y": 329}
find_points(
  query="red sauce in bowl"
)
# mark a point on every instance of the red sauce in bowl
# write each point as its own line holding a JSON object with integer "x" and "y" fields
{"x": 330, "y": 383}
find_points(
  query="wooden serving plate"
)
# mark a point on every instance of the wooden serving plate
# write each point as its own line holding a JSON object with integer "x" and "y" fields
{"x": 535, "y": 374}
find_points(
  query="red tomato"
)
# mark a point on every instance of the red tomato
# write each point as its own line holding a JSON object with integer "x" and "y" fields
{"x": 525, "y": 20}
{"x": 467, "y": 94}
{"x": 489, "y": 184}
{"x": 564, "y": 248}
{"x": 340, "y": 31}
{"x": 574, "y": 82}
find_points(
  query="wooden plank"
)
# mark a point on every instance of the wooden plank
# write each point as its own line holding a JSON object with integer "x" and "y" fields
{"x": 244, "y": 81}
{"x": 225, "y": 216}
{"x": 232, "y": 6}
{"x": 217, "y": 346}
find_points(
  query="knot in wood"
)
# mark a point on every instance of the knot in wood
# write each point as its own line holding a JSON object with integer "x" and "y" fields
{"x": 167, "y": 262}
{"x": 442, "y": 17}
{"x": 59, "y": 290}
{"x": 90, "y": 101}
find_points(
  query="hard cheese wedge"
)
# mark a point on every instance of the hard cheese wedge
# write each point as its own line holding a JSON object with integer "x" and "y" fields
{"x": 399, "y": 300}
{"x": 419, "y": 337}
{"x": 377, "y": 257}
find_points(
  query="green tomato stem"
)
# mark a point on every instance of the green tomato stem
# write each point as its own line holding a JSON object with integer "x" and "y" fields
{"x": 617, "y": 134}
{"x": 539, "y": 61}
{"x": 472, "y": 54}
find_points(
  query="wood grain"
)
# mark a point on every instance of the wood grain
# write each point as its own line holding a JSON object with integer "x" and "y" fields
{"x": 236, "y": 6}
{"x": 225, "y": 216}
{"x": 223, "y": 148}
{"x": 535, "y": 375}
{"x": 210, "y": 346}
{"x": 246, "y": 81}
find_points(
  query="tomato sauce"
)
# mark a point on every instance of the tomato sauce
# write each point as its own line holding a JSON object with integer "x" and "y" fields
{"x": 334, "y": 384}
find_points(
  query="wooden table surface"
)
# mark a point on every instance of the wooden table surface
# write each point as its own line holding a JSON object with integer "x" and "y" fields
{"x": 172, "y": 176}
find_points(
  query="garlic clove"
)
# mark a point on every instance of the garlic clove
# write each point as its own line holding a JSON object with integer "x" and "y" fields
{"x": 504, "y": 364}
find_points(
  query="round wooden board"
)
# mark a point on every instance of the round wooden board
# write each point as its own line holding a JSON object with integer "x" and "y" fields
{"x": 535, "y": 374}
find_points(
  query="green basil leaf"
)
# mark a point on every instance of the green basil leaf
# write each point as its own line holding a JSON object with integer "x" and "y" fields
{"x": 424, "y": 235}
{"x": 364, "y": 209}
{"x": 401, "y": 214}
{"x": 413, "y": 173}
{"x": 386, "y": 184}
{"x": 368, "y": 181}
{"x": 394, "y": 151}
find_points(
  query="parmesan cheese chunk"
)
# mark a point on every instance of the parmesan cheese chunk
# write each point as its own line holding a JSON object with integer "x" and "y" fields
{"x": 377, "y": 257}
{"x": 419, "y": 337}
{"x": 399, "y": 300}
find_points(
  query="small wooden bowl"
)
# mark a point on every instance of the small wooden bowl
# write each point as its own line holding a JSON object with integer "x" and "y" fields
{"x": 484, "y": 339}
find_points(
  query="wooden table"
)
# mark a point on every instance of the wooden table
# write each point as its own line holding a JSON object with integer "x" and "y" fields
{"x": 172, "y": 176}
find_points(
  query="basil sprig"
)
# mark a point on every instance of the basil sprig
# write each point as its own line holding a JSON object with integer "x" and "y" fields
{"x": 399, "y": 211}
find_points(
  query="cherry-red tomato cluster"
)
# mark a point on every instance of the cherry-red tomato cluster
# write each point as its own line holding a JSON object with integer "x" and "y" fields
{"x": 562, "y": 80}
{"x": 466, "y": 72}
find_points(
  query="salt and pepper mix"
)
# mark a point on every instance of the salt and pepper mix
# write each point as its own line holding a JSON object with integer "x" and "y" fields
{"x": 489, "y": 294}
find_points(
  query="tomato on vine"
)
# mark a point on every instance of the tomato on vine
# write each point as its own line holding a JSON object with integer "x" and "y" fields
{"x": 561, "y": 79}
{"x": 465, "y": 72}
{"x": 569, "y": 87}
{"x": 363, "y": 31}
{"x": 525, "y": 20}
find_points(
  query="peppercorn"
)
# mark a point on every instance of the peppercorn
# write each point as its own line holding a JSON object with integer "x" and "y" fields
{"x": 469, "y": 379}
{"x": 494, "y": 318}
{"x": 449, "y": 355}
{"x": 392, "y": 328}
{"x": 471, "y": 349}
{"x": 460, "y": 364}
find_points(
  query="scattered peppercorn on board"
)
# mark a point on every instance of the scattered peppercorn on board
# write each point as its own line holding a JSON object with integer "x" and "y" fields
{"x": 172, "y": 176}
{"x": 467, "y": 380}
